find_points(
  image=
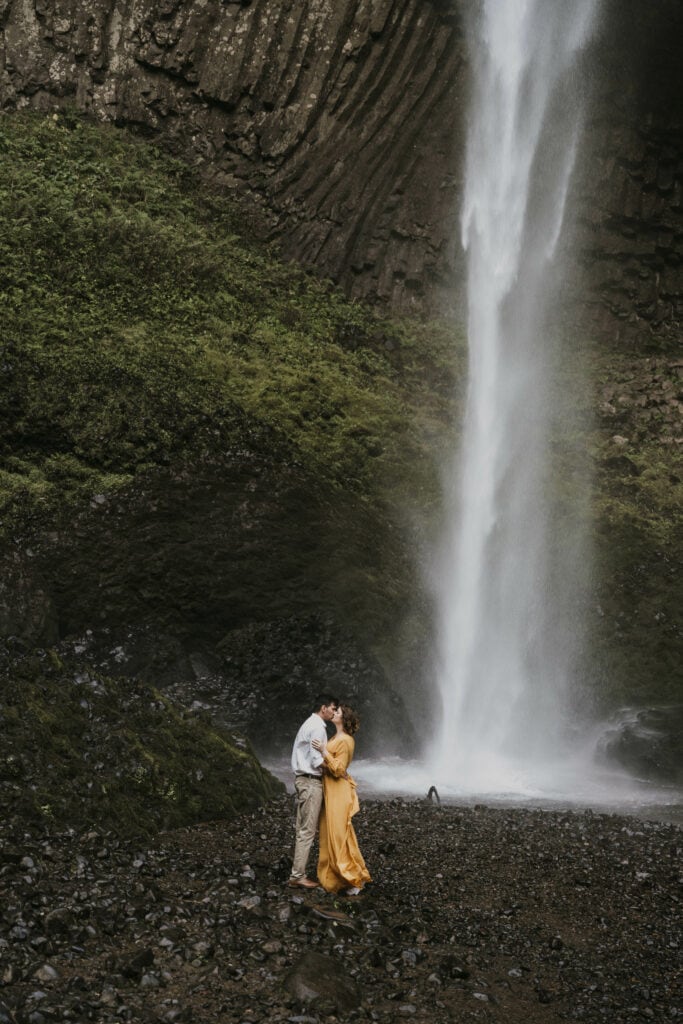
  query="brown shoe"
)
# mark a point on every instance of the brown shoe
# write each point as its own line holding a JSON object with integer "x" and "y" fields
{"x": 302, "y": 883}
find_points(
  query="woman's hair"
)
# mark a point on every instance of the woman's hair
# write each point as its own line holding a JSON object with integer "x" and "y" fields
{"x": 350, "y": 719}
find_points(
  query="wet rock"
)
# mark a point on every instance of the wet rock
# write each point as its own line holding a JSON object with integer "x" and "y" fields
{"x": 316, "y": 976}
{"x": 59, "y": 921}
{"x": 647, "y": 741}
{"x": 149, "y": 981}
{"x": 480, "y": 918}
{"x": 6, "y": 1015}
{"x": 46, "y": 973}
{"x": 133, "y": 966}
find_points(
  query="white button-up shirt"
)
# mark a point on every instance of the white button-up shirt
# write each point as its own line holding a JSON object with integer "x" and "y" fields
{"x": 305, "y": 758}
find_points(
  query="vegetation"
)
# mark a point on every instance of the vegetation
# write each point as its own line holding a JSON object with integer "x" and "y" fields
{"x": 638, "y": 525}
{"x": 146, "y": 335}
{"x": 136, "y": 318}
{"x": 80, "y": 748}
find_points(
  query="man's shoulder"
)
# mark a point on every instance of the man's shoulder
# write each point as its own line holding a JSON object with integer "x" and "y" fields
{"x": 312, "y": 724}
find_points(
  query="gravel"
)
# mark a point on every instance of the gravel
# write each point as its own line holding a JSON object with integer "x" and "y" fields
{"x": 475, "y": 914}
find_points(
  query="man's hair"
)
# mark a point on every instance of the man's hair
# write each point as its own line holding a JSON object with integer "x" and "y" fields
{"x": 324, "y": 700}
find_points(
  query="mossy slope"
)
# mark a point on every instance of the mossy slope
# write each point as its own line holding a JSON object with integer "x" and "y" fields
{"x": 638, "y": 522}
{"x": 194, "y": 435}
{"x": 80, "y": 748}
{"x": 138, "y": 322}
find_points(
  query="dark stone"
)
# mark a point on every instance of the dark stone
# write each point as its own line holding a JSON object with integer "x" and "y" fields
{"x": 133, "y": 966}
{"x": 26, "y": 606}
{"x": 320, "y": 977}
{"x": 6, "y": 1015}
{"x": 59, "y": 921}
{"x": 647, "y": 742}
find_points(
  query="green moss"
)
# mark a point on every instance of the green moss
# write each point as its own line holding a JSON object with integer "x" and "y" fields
{"x": 635, "y": 520}
{"x": 136, "y": 320}
{"x": 79, "y": 748}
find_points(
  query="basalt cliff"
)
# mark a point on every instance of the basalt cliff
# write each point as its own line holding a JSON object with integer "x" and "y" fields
{"x": 343, "y": 123}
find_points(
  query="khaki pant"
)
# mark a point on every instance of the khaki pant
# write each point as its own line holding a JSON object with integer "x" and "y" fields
{"x": 309, "y": 800}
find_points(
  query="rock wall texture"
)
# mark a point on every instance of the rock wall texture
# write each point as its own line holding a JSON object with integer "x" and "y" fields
{"x": 336, "y": 115}
{"x": 631, "y": 184}
{"x": 343, "y": 120}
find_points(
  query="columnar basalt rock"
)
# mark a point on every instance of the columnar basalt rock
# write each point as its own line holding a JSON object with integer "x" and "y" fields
{"x": 343, "y": 123}
{"x": 330, "y": 115}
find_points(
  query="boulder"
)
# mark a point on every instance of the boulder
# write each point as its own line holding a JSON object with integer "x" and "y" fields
{"x": 316, "y": 976}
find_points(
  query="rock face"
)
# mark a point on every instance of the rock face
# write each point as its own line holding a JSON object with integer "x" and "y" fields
{"x": 343, "y": 123}
{"x": 81, "y": 748}
{"x": 647, "y": 742}
{"x": 26, "y": 607}
{"x": 227, "y": 585}
{"x": 243, "y": 553}
{"x": 631, "y": 183}
{"x": 335, "y": 117}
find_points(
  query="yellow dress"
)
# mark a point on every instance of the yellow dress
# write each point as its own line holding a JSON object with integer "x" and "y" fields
{"x": 341, "y": 863}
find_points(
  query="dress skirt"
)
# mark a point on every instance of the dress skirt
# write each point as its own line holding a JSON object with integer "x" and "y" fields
{"x": 341, "y": 863}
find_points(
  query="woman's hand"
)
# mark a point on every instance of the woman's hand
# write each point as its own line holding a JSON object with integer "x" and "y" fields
{"x": 318, "y": 745}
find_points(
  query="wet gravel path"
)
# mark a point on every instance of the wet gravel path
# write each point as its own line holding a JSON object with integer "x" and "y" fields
{"x": 475, "y": 914}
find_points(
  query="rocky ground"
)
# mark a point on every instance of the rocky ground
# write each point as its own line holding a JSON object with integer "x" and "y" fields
{"x": 475, "y": 914}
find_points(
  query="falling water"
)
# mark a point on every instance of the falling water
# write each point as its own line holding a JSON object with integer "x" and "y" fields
{"x": 504, "y": 580}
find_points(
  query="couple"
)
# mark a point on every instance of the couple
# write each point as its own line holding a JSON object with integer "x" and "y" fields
{"x": 326, "y": 792}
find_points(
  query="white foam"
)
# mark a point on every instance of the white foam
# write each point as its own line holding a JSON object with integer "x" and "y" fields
{"x": 568, "y": 786}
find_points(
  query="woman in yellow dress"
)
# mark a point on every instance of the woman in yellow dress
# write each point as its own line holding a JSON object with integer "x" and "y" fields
{"x": 341, "y": 867}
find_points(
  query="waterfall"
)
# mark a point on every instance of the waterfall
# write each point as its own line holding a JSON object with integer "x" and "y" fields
{"x": 505, "y": 581}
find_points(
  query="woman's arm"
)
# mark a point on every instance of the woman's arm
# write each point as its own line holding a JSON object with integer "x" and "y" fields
{"x": 337, "y": 763}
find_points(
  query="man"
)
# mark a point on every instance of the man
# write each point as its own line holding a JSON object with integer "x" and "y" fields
{"x": 308, "y": 783}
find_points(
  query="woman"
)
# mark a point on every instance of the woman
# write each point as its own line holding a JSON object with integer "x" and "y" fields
{"x": 341, "y": 867}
